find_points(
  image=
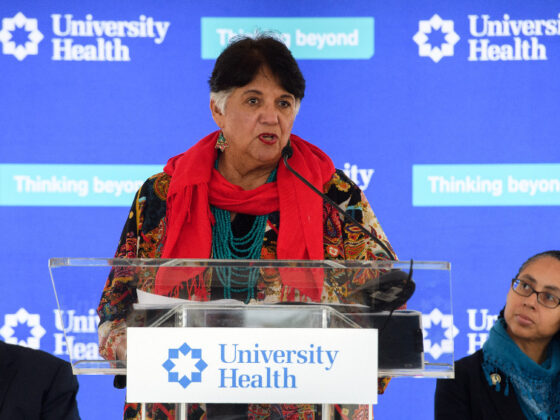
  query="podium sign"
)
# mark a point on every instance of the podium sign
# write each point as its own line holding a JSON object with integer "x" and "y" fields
{"x": 252, "y": 365}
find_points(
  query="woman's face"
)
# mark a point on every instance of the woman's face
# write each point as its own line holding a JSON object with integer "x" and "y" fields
{"x": 257, "y": 122}
{"x": 527, "y": 319}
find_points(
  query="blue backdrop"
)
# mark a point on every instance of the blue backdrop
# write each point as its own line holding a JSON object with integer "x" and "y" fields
{"x": 444, "y": 112}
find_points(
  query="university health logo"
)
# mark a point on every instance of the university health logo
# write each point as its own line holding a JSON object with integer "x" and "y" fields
{"x": 439, "y": 333}
{"x": 432, "y": 32}
{"x": 22, "y": 328}
{"x": 185, "y": 365}
{"x": 20, "y": 37}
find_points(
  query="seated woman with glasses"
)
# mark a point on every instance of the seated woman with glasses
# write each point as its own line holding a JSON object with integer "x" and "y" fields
{"x": 516, "y": 375}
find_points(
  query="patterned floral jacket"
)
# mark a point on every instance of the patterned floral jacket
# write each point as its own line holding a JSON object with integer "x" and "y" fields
{"x": 142, "y": 237}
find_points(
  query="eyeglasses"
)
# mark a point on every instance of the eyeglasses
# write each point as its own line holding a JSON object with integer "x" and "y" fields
{"x": 546, "y": 299}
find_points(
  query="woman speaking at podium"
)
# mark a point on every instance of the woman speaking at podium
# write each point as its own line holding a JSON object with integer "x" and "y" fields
{"x": 230, "y": 196}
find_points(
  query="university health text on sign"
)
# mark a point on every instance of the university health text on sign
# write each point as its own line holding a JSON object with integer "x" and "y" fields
{"x": 252, "y": 365}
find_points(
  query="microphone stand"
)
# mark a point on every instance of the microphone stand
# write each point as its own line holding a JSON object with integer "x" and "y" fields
{"x": 287, "y": 152}
{"x": 389, "y": 278}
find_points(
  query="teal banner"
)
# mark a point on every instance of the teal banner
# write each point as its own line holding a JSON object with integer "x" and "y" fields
{"x": 486, "y": 185}
{"x": 71, "y": 185}
{"x": 307, "y": 38}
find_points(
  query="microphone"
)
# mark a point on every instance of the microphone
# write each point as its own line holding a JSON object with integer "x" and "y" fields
{"x": 386, "y": 292}
{"x": 389, "y": 291}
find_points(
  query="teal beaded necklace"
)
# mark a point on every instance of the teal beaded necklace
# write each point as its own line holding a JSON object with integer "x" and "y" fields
{"x": 225, "y": 246}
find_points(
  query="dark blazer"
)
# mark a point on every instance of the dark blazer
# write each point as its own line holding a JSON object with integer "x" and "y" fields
{"x": 469, "y": 396}
{"x": 35, "y": 385}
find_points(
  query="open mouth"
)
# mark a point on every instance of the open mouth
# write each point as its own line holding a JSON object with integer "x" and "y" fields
{"x": 268, "y": 138}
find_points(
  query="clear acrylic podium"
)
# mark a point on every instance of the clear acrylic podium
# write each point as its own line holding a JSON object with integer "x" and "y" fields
{"x": 416, "y": 342}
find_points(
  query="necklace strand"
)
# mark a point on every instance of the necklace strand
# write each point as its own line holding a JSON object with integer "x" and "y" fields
{"x": 247, "y": 247}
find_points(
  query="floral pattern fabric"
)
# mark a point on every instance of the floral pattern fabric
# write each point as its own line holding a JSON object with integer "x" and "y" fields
{"x": 143, "y": 236}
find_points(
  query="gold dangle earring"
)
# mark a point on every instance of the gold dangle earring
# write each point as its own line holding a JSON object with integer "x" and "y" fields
{"x": 221, "y": 143}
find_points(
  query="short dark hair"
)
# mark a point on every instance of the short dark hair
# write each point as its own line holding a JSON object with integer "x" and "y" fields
{"x": 239, "y": 63}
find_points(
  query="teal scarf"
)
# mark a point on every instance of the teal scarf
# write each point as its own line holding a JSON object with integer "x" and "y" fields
{"x": 537, "y": 386}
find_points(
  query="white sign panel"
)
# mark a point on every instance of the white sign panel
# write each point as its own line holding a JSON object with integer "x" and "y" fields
{"x": 252, "y": 365}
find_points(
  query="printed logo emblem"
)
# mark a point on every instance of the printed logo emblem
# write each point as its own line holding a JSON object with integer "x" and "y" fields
{"x": 439, "y": 332}
{"x": 20, "y": 36}
{"x": 185, "y": 365}
{"x": 427, "y": 36}
{"x": 22, "y": 328}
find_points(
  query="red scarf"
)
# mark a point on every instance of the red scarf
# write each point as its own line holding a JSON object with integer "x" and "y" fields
{"x": 195, "y": 185}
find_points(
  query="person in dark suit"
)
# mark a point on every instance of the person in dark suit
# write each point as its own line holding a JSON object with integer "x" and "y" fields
{"x": 36, "y": 385}
{"x": 516, "y": 375}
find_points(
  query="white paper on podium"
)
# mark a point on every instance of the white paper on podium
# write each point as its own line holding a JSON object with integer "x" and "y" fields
{"x": 152, "y": 301}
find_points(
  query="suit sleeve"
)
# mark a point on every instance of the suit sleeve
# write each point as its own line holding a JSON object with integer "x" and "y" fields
{"x": 452, "y": 399}
{"x": 59, "y": 402}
